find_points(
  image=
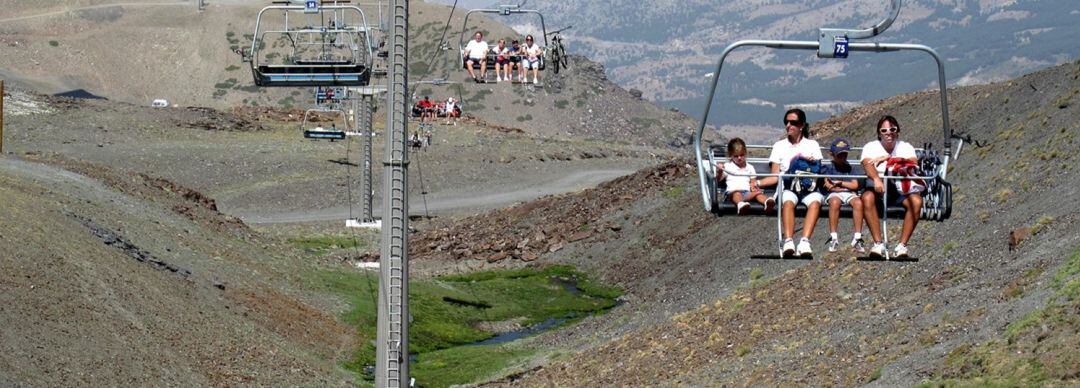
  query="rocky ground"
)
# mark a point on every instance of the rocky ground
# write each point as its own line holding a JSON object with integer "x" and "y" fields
{"x": 707, "y": 303}
{"x": 123, "y": 236}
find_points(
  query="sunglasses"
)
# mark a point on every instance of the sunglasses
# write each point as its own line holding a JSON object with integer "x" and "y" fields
{"x": 889, "y": 130}
{"x": 796, "y": 123}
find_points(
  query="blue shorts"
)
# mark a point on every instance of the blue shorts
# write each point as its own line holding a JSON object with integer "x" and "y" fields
{"x": 895, "y": 198}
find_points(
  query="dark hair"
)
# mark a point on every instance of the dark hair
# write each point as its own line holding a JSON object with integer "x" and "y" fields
{"x": 735, "y": 145}
{"x": 529, "y": 37}
{"x": 802, "y": 118}
{"x": 882, "y": 120}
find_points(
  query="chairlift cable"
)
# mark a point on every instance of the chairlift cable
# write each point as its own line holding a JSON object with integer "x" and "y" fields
{"x": 420, "y": 174}
{"x": 435, "y": 49}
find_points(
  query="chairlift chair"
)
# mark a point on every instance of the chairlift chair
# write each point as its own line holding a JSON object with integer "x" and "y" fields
{"x": 504, "y": 10}
{"x": 833, "y": 43}
{"x": 325, "y": 43}
{"x": 314, "y": 131}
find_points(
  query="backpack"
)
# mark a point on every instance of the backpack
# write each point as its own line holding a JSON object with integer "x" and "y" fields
{"x": 904, "y": 167}
{"x": 800, "y": 166}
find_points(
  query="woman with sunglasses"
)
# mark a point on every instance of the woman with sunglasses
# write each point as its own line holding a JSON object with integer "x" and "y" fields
{"x": 531, "y": 59}
{"x": 796, "y": 145}
{"x": 875, "y": 156}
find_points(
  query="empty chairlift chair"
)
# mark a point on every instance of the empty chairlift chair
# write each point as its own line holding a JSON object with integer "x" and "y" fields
{"x": 833, "y": 43}
{"x": 313, "y": 128}
{"x": 314, "y": 44}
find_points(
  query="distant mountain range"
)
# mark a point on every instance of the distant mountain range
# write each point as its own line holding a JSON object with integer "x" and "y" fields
{"x": 667, "y": 48}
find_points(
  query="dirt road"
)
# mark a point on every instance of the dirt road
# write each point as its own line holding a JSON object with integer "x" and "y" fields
{"x": 458, "y": 201}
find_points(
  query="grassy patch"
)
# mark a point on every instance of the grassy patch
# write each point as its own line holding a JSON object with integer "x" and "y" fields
{"x": 228, "y": 84}
{"x": 232, "y": 68}
{"x": 673, "y": 192}
{"x": 1038, "y": 349}
{"x": 54, "y": 43}
{"x": 562, "y": 104}
{"x": 447, "y": 312}
{"x": 447, "y": 367}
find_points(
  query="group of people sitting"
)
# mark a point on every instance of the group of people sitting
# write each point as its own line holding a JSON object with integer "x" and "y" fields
{"x": 862, "y": 193}
{"x": 515, "y": 59}
{"x": 429, "y": 110}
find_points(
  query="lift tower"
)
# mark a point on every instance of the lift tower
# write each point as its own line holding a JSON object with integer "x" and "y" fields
{"x": 392, "y": 343}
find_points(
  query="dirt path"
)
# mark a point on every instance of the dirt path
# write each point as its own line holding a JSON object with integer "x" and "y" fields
{"x": 69, "y": 10}
{"x": 460, "y": 201}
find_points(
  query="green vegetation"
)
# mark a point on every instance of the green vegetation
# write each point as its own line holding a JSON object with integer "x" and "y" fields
{"x": 232, "y": 68}
{"x": 527, "y": 117}
{"x": 228, "y": 84}
{"x": 54, "y": 43}
{"x": 1041, "y": 224}
{"x": 447, "y": 312}
{"x": 562, "y": 104}
{"x": 673, "y": 192}
{"x": 1036, "y": 350}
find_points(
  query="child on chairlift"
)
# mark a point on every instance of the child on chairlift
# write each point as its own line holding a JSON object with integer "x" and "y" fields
{"x": 742, "y": 189}
{"x": 839, "y": 192}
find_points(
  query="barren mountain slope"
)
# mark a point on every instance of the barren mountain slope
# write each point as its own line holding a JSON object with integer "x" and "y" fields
{"x": 141, "y": 282}
{"x": 139, "y": 51}
{"x": 707, "y": 305}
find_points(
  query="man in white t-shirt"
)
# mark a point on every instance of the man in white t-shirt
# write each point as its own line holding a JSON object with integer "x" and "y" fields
{"x": 795, "y": 145}
{"x": 875, "y": 158}
{"x": 476, "y": 52}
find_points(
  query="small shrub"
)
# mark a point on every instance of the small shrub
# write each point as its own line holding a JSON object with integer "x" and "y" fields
{"x": 562, "y": 104}
{"x": 54, "y": 43}
{"x": 949, "y": 247}
{"x": 1041, "y": 224}
{"x": 742, "y": 351}
{"x": 232, "y": 68}
{"x": 874, "y": 376}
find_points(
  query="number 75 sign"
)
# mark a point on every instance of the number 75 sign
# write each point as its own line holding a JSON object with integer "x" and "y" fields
{"x": 840, "y": 47}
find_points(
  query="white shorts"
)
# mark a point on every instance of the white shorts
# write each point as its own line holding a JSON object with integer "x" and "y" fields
{"x": 530, "y": 64}
{"x": 807, "y": 199}
{"x": 845, "y": 197}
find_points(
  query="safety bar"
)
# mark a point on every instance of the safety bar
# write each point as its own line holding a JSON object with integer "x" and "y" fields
{"x": 505, "y": 10}
{"x": 300, "y": 8}
{"x": 810, "y": 45}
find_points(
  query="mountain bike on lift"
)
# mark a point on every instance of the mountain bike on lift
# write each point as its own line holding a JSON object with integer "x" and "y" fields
{"x": 557, "y": 52}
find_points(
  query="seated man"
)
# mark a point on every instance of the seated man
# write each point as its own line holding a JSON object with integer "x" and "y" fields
{"x": 476, "y": 52}
{"x": 427, "y": 110}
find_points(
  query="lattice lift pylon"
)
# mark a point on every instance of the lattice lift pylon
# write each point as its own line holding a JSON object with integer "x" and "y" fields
{"x": 392, "y": 343}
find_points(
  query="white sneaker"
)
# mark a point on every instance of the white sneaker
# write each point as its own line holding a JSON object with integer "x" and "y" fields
{"x": 498, "y": 79}
{"x": 804, "y": 248}
{"x": 857, "y": 245}
{"x": 833, "y": 244}
{"x": 900, "y": 251}
{"x": 742, "y": 208}
{"x": 789, "y": 247}
{"x": 877, "y": 250}
{"x": 536, "y": 81}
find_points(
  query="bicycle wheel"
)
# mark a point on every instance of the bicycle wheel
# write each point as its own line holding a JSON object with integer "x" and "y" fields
{"x": 556, "y": 59}
{"x": 563, "y": 59}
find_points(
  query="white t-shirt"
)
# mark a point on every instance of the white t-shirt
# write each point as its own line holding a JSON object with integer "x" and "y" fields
{"x": 783, "y": 152}
{"x": 476, "y": 50}
{"x": 533, "y": 52}
{"x": 874, "y": 149}
{"x": 738, "y": 183}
